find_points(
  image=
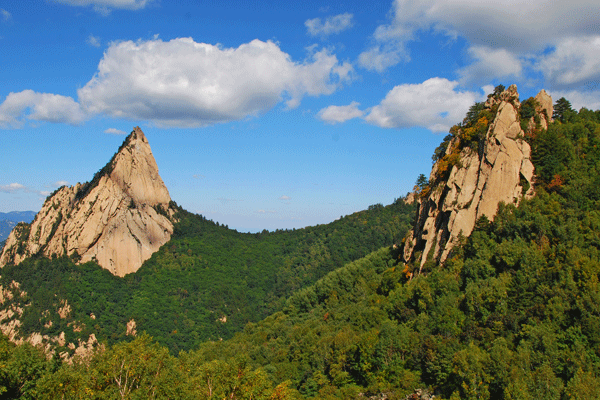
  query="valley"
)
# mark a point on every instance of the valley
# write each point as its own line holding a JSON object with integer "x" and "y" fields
{"x": 482, "y": 284}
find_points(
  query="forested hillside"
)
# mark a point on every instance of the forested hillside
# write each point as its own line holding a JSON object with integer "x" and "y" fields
{"x": 206, "y": 283}
{"x": 513, "y": 313}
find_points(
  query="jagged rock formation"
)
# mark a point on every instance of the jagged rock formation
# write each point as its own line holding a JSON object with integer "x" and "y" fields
{"x": 543, "y": 108}
{"x": 482, "y": 173}
{"x": 119, "y": 219}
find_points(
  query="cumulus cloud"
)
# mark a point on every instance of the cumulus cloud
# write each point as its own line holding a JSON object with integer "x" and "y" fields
{"x": 381, "y": 57}
{"x": 435, "y": 104}
{"x": 284, "y": 197}
{"x": 60, "y": 183}
{"x": 489, "y": 64}
{"x": 114, "y": 131}
{"x": 185, "y": 83}
{"x": 498, "y": 30}
{"x": 30, "y": 105}
{"x": 93, "y": 41}
{"x": 104, "y": 7}
{"x": 574, "y": 61}
{"x": 578, "y": 99}
{"x": 13, "y": 187}
{"x": 331, "y": 25}
{"x": 334, "y": 114}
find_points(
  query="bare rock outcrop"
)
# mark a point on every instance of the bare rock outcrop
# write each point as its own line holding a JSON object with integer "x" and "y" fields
{"x": 119, "y": 219}
{"x": 130, "y": 329}
{"x": 544, "y": 108}
{"x": 482, "y": 173}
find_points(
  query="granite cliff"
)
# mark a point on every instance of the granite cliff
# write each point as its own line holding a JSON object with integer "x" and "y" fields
{"x": 119, "y": 219}
{"x": 486, "y": 161}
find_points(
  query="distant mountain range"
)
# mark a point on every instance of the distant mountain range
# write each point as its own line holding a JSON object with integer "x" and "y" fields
{"x": 10, "y": 219}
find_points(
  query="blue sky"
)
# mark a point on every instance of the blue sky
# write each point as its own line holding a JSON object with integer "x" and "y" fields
{"x": 269, "y": 115}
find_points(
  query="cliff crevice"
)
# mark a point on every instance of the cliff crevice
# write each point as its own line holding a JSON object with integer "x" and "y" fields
{"x": 486, "y": 161}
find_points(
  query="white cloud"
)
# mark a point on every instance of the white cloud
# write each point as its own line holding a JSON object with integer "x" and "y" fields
{"x": 579, "y": 99}
{"x": 284, "y": 197}
{"x": 104, "y": 7}
{"x": 501, "y": 29}
{"x": 17, "y": 187}
{"x": 13, "y": 187}
{"x": 6, "y": 16}
{"x": 93, "y": 41}
{"x": 381, "y": 57}
{"x": 331, "y": 25}
{"x": 574, "y": 61}
{"x": 30, "y": 105}
{"x": 114, "y": 131}
{"x": 489, "y": 64}
{"x": 434, "y": 104}
{"x": 60, "y": 183}
{"x": 390, "y": 40}
{"x": 333, "y": 114}
{"x": 496, "y": 24}
{"x": 266, "y": 212}
{"x": 184, "y": 83}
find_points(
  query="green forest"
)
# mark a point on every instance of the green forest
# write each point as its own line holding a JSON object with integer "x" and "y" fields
{"x": 330, "y": 312}
{"x": 206, "y": 283}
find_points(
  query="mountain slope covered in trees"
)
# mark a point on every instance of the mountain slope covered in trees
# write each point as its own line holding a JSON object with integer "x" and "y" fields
{"x": 206, "y": 283}
{"x": 513, "y": 313}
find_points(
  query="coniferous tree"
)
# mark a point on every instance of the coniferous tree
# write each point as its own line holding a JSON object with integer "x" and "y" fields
{"x": 562, "y": 109}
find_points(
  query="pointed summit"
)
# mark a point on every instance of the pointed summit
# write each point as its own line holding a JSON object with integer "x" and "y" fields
{"x": 483, "y": 163}
{"x": 135, "y": 171}
{"x": 119, "y": 219}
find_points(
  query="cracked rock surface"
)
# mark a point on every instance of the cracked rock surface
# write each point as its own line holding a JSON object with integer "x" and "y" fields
{"x": 119, "y": 219}
{"x": 501, "y": 172}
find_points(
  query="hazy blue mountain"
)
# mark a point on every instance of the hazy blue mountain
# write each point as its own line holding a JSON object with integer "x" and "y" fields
{"x": 10, "y": 219}
{"x": 18, "y": 216}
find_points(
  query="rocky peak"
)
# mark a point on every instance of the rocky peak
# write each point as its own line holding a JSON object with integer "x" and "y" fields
{"x": 486, "y": 162}
{"x": 119, "y": 219}
{"x": 135, "y": 171}
{"x": 544, "y": 108}
{"x": 510, "y": 95}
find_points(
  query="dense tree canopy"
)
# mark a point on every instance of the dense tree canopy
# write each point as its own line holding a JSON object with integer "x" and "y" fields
{"x": 207, "y": 282}
{"x": 514, "y": 313}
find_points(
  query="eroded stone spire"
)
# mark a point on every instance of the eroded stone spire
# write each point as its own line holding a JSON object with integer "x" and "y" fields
{"x": 119, "y": 219}
{"x": 498, "y": 169}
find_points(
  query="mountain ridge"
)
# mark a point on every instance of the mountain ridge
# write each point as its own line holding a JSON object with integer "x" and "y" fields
{"x": 511, "y": 313}
{"x": 119, "y": 218}
{"x": 10, "y": 219}
{"x": 487, "y": 161}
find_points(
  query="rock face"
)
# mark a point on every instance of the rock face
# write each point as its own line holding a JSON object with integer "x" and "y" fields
{"x": 497, "y": 170}
{"x": 544, "y": 108}
{"x": 119, "y": 219}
